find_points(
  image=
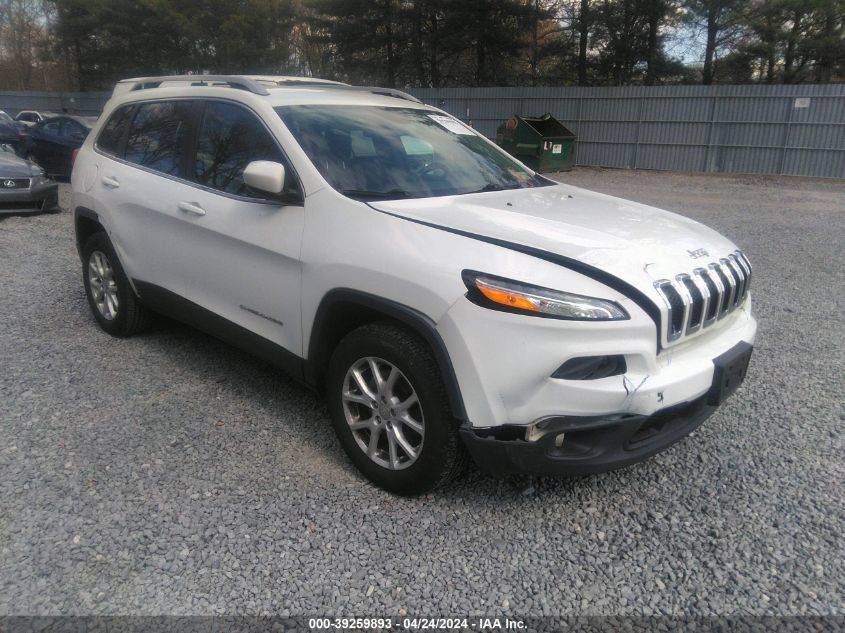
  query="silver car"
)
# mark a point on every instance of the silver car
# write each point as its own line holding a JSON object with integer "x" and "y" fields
{"x": 24, "y": 186}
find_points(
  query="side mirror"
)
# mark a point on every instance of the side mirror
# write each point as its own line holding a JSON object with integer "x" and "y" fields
{"x": 265, "y": 176}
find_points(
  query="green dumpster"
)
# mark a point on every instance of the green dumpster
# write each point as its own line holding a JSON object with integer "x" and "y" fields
{"x": 543, "y": 143}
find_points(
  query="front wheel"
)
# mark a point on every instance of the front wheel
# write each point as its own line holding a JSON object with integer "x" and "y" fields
{"x": 390, "y": 410}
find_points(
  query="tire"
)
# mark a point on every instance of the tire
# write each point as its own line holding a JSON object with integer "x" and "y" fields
{"x": 124, "y": 317}
{"x": 440, "y": 454}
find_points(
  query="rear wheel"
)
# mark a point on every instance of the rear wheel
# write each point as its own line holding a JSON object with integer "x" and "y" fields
{"x": 390, "y": 410}
{"x": 107, "y": 288}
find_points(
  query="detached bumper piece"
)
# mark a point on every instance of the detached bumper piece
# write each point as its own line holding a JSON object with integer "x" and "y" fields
{"x": 572, "y": 445}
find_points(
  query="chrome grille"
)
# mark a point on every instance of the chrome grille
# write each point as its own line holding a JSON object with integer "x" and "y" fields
{"x": 698, "y": 300}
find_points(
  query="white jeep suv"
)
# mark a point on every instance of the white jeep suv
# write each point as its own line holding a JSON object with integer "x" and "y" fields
{"x": 447, "y": 300}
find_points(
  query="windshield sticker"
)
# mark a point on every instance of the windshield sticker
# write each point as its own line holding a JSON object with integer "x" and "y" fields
{"x": 416, "y": 146}
{"x": 361, "y": 145}
{"x": 456, "y": 127}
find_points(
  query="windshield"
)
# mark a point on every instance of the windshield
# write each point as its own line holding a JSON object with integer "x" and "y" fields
{"x": 370, "y": 152}
{"x": 5, "y": 118}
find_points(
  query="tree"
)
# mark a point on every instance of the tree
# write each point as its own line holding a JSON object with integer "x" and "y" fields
{"x": 113, "y": 39}
{"x": 629, "y": 39}
{"x": 795, "y": 40}
{"x": 584, "y": 23}
{"x": 721, "y": 22}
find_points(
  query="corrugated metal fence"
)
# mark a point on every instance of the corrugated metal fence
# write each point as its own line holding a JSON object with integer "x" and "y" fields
{"x": 795, "y": 130}
{"x": 84, "y": 103}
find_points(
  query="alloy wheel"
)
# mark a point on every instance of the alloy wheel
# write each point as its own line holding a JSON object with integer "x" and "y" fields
{"x": 103, "y": 285}
{"x": 383, "y": 412}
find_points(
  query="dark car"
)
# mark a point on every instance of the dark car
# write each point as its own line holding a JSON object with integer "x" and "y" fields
{"x": 24, "y": 186}
{"x": 10, "y": 130}
{"x": 51, "y": 142}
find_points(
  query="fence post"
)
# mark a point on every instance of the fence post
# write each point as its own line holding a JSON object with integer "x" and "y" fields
{"x": 639, "y": 126}
{"x": 578, "y": 129}
{"x": 709, "y": 157}
{"x": 785, "y": 142}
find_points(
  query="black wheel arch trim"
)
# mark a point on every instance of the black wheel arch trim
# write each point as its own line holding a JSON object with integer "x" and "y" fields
{"x": 623, "y": 287}
{"x": 88, "y": 214}
{"x": 420, "y": 323}
{"x": 85, "y": 212}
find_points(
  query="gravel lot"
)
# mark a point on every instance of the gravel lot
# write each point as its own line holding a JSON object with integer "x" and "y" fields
{"x": 171, "y": 474}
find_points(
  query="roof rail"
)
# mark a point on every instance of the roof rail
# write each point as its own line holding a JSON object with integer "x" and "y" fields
{"x": 257, "y": 84}
{"x": 387, "y": 92}
{"x": 243, "y": 83}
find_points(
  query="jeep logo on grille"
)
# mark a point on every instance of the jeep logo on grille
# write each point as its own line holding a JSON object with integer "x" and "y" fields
{"x": 9, "y": 183}
{"x": 699, "y": 252}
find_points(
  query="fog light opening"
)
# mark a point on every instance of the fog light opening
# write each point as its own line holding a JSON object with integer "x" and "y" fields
{"x": 591, "y": 368}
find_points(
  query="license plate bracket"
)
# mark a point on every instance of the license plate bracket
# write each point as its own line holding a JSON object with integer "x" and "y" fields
{"x": 729, "y": 372}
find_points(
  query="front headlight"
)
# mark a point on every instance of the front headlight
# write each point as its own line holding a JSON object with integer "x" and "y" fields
{"x": 36, "y": 172}
{"x": 514, "y": 296}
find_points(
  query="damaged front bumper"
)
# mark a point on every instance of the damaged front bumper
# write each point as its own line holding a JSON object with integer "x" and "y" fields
{"x": 579, "y": 445}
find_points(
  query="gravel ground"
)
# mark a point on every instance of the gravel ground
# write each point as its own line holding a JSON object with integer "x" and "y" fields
{"x": 171, "y": 474}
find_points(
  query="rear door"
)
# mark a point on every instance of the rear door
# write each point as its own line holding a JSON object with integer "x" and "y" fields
{"x": 241, "y": 251}
{"x": 140, "y": 180}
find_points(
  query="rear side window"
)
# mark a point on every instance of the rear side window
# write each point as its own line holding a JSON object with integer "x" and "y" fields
{"x": 52, "y": 127}
{"x": 158, "y": 134}
{"x": 73, "y": 130}
{"x": 230, "y": 138}
{"x": 114, "y": 131}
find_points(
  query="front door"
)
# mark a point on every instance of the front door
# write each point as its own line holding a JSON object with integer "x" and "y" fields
{"x": 239, "y": 251}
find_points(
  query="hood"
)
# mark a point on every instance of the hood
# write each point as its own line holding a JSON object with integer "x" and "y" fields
{"x": 12, "y": 166}
{"x": 634, "y": 242}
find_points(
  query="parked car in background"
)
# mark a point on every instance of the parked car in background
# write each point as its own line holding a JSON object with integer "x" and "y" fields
{"x": 24, "y": 186}
{"x": 51, "y": 142}
{"x": 10, "y": 130}
{"x": 30, "y": 117}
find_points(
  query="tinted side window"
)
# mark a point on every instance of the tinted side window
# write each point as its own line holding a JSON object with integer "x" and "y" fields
{"x": 52, "y": 127}
{"x": 113, "y": 131}
{"x": 157, "y": 135}
{"x": 230, "y": 138}
{"x": 73, "y": 130}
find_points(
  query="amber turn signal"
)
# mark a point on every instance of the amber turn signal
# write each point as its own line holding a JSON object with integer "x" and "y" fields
{"x": 505, "y": 298}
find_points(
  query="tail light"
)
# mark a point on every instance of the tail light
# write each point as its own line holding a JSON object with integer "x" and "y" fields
{"x": 73, "y": 157}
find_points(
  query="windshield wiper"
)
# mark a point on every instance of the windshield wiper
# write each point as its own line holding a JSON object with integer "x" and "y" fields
{"x": 494, "y": 187}
{"x": 363, "y": 193}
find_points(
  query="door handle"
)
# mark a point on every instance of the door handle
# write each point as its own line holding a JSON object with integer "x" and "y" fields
{"x": 111, "y": 183}
{"x": 191, "y": 207}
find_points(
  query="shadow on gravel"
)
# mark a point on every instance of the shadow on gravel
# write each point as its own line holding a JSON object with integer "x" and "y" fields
{"x": 237, "y": 374}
